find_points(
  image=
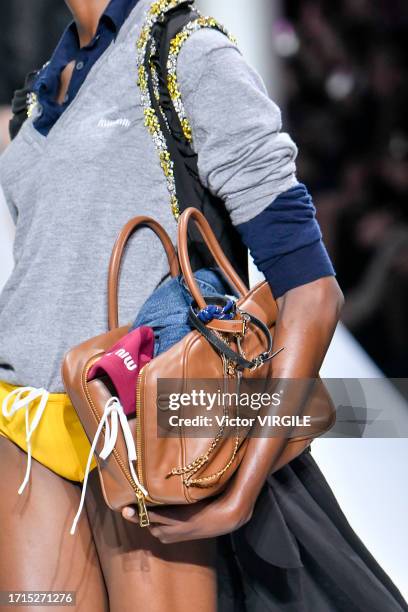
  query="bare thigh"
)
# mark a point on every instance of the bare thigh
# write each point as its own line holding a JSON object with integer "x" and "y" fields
{"x": 37, "y": 552}
{"x": 141, "y": 573}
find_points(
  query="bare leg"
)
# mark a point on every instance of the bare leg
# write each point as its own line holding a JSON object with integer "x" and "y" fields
{"x": 141, "y": 573}
{"x": 37, "y": 552}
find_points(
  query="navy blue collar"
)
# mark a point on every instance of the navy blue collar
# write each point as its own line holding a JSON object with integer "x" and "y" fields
{"x": 113, "y": 16}
{"x": 68, "y": 47}
{"x": 117, "y": 11}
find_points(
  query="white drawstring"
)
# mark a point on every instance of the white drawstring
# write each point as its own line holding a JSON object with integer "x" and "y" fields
{"x": 114, "y": 409}
{"x": 25, "y": 402}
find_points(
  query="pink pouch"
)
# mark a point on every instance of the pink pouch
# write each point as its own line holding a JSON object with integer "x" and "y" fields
{"x": 122, "y": 364}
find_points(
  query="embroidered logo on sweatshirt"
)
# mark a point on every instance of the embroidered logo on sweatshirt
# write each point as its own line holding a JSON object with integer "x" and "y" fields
{"x": 110, "y": 123}
{"x": 126, "y": 358}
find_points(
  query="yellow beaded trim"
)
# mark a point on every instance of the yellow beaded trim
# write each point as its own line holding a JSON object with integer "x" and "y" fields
{"x": 175, "y": 47}
{"x": 156, "y": 10}
{"x": 154, "y": 14}
{"x": 32, "y": 101}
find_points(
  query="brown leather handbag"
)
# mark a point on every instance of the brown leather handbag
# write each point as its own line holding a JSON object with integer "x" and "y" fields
{"x": 176, "y": 469}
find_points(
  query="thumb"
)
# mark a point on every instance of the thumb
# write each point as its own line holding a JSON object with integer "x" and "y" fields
{"x": 129, "y": 513}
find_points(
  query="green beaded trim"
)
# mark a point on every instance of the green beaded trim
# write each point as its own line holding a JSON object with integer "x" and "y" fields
{"x": 154, "y": 14}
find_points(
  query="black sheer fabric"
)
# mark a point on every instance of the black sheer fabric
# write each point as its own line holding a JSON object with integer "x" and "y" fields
{"x": 19, "y": 104}
{"x": 298, "y": 553}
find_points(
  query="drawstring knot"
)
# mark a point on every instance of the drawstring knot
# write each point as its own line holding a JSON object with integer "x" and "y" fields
{"x": 114, "y": 411}
{"x": 23, "y": 398}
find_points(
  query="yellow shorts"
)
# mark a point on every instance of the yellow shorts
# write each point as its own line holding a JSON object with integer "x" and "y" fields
{"x": 59, "y": 441}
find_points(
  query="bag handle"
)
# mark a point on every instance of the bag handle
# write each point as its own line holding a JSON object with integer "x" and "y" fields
{"x": 214, "y": 248}
{"x": 238, "y": 358}
{"x": 116, "y": 259}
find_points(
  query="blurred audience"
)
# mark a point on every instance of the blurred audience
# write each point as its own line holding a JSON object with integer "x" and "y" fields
{"x": 344, "y": 68}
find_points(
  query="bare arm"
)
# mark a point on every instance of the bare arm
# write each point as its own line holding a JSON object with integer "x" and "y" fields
{"x": 308, "y": 316}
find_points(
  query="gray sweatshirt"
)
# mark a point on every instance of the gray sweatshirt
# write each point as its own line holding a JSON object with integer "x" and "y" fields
{"x": 70, "y": 192}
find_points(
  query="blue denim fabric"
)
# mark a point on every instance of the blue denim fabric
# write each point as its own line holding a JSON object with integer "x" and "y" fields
{"x": 166, "y": 309}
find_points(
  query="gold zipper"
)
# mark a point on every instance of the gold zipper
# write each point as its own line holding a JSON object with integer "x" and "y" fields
{"x": 140, "y": 498}
{"x": 139, "y": 449}
{"x": 139, "y": 437}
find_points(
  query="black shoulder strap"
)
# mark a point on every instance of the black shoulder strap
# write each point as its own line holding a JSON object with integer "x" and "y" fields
{"x": 21, "y": 103}
{"x": 190, "y": 191}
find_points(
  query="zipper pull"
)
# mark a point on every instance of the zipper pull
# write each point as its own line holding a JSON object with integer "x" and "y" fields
{"x": 143, "y": 515}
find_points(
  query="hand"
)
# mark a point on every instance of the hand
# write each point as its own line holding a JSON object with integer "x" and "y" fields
{"x": 205, "y": 519}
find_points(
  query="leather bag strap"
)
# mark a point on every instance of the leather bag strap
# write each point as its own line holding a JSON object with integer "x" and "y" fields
{"x": 214, "y": 248}
{"x": 222, "y": 347}
{"x": 200, "y": 302}
{"x": 117, "y": 255}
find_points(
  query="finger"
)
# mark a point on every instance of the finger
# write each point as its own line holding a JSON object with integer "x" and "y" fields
{"x": 155, "y": 531}
{"x": 167, "y": 535}
{"x": 129, "y": 513}
{"x": 172, "y": 534}
{"x": 164, "y": 519}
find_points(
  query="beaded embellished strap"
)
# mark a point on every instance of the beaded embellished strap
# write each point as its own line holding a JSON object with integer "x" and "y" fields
{"x": 175, "y": 48}
{"x": 153, "y": 113}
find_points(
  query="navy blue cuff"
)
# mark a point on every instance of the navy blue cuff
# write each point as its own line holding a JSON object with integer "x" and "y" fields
{"x": 299, "y": 267}
{"x": 285, "y": 241}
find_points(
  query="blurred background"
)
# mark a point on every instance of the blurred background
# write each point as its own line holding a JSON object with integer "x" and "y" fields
{"x": 344, "y": 65}
{"x": 337, "y": 69}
